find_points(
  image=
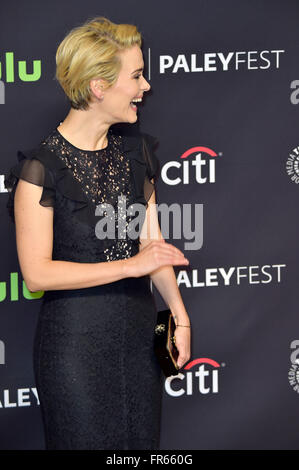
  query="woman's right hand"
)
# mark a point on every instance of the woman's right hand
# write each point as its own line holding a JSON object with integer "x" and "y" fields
{"x": 156, "y": 254}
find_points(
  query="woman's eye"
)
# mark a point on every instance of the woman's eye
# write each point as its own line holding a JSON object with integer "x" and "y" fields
{"x": 137, "y": 76}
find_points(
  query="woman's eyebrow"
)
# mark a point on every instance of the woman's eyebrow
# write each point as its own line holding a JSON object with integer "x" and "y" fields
{"x": 138, "y": 70}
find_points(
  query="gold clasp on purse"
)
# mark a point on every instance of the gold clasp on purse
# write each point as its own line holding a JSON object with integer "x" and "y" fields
{"x": 160, "y": 328}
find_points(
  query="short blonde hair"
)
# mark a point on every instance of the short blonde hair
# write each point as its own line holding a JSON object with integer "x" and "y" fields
{"x": 92, "y": 51}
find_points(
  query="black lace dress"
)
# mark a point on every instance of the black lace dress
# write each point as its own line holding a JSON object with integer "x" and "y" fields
{"x": 98, "y": 380}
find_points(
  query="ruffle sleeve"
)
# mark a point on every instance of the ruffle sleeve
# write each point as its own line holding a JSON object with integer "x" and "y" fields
{"x": 144, "y": 164}
{"x": 34, "y": 171}
{"x": 149, "y": 144}
{"x": 152, "y": 164}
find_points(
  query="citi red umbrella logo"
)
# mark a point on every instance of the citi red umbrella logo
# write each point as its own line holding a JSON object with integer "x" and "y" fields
{"x": 200, "y": 376}
{"x": 197, "y": 164}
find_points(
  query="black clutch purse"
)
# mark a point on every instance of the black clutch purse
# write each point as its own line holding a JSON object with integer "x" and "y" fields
{"x": 164, "y": 345}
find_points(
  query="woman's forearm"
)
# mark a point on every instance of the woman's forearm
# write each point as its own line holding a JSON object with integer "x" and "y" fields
{"x": 165, "y": 281}
{"x": 58, "y": 275}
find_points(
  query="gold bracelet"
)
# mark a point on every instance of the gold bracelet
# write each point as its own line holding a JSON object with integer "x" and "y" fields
{"x": 186, "y": 326}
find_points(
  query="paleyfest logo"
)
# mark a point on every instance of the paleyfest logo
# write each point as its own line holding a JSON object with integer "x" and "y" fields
{"x": 199, "y": 62}
{"x": 201, "y": 376}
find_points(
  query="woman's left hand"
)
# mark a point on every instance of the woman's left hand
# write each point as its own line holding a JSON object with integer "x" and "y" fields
{"x": 183, "y": 343}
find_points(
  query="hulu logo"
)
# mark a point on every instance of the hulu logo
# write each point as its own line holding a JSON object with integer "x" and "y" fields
{"x": 20, "y": 68}
{"x": 13, "y": 289}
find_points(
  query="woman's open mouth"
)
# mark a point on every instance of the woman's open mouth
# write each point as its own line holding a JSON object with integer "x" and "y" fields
{"x": 133, "y": 106}
{"x": 133, "y": 103}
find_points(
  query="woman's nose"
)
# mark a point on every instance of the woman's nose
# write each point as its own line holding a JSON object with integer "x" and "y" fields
{"x": 147, "y": 86}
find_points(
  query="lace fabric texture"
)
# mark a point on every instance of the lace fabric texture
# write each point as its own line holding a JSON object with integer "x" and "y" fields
{"x": 104, "y": 177}
{"x": 99, "y": 382}
{"x": 103, "y": 174}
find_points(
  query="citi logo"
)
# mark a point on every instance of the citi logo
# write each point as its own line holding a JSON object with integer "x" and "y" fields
{"x": 202, "y": 379}
{"x": 201, "y": 168}
{"x": 19, "y": 69}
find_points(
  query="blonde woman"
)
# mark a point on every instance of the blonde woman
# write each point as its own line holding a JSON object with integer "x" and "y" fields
{"x": 97, "y": 377}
